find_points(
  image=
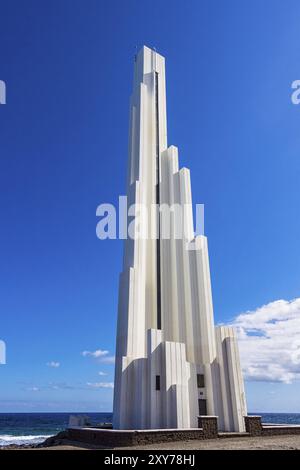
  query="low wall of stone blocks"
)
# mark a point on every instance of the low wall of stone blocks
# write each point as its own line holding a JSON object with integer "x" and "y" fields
{"x": 255, "y": 427}
{"x": 113, "y": 438}
{"x": 280, "y": 430}
{"x": 207, "y": 429}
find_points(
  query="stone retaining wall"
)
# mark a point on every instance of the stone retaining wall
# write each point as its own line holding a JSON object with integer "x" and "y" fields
{"x": 208, "y": 429}
{"x": 255, "y": 428}
{"x": 111, "y": 438}
{"x": 280, "y": 430}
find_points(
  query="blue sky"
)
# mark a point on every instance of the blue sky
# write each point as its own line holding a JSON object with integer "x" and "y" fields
{"x": 63, "y": 150}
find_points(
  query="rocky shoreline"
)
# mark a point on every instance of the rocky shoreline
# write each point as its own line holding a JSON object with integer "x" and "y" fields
{"x": 57, "y": 440}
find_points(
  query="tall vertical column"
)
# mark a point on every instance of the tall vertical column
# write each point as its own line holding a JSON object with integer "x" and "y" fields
{"x": 139, "y": 307}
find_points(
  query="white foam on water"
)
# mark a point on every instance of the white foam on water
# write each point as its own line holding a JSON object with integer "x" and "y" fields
{"x": 8, "y": 439}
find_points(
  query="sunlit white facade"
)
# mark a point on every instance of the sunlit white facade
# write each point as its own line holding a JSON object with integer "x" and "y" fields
{"x": 172, "y": 363}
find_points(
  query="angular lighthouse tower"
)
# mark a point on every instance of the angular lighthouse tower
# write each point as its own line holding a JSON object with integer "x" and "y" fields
{"x": 172, "y": 363}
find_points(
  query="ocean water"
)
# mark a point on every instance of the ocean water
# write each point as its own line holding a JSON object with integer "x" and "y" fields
{"x": 279, "y": 418}
{"x": 33, "y": 428}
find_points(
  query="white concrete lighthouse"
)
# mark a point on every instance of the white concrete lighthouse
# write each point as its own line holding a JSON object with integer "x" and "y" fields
{"x": 172, "y": 363}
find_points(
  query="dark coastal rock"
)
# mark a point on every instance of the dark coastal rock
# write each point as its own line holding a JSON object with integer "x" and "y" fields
{"x": 54, "y": 440}
{"x": 18, "y": 447}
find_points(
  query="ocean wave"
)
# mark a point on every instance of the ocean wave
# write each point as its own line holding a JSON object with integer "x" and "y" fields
{"x": 8, "y": 439}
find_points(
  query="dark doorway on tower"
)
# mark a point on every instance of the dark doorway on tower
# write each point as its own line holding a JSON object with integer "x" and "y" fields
{"x": 202, "y": 407}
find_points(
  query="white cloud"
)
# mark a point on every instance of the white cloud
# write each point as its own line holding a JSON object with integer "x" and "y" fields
{"x": 100, "y": 384}
{"x": 98, "y": 353}
{"x": 53, "y": 364}
{"x": 61, "y": 386}
{"x": 102, "y": 355}
{"x": 269, "y": 341}
{"x": 53, "y": 386}
{"x": 102, "y": 373}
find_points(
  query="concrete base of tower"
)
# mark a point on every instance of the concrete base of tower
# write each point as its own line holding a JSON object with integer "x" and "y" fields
{"x": 165, "y": 391}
